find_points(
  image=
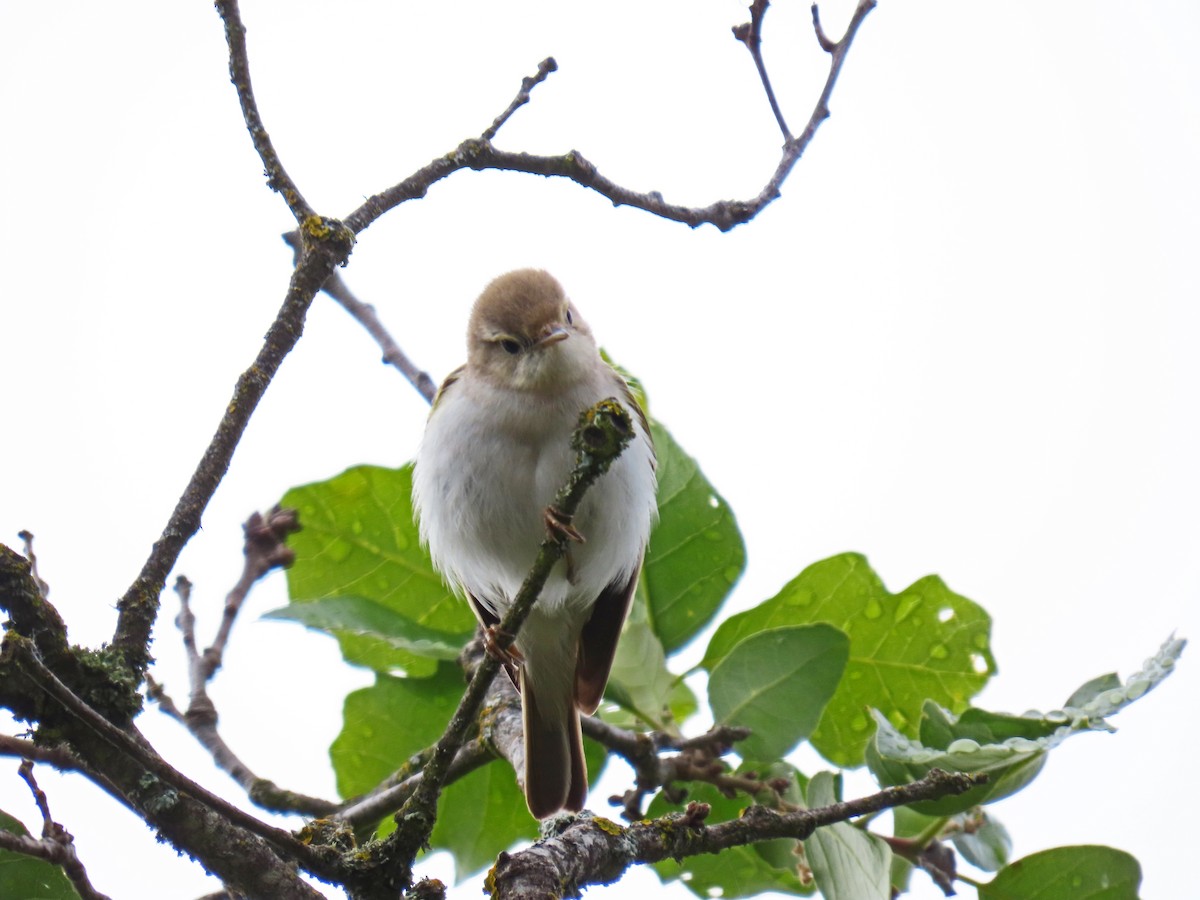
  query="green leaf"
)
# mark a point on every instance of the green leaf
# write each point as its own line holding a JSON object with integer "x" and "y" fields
{"x": 386, "y": 723}
{"x": 847, "y": 863}
{"x": 1068, "y": 873}
{"x": 28, "y": 878}
{"x": 1010, "y": 750}
{"x": 640, "y": 682}
{"x": 696, "y": 553}
{"x": 924, "y": 643}
{"x": 356, "y": 615}
{"x": 776, "y": 683}
{"x": 1010, "y": 766}
{"x": 739, "y": 871}
{"x": 1089, "y": 691}
{"x": 358, "y": 540}
{"x": 986, "y": 844}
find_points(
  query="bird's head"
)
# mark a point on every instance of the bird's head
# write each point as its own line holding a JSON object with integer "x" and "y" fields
{"x": 525, "y": 334}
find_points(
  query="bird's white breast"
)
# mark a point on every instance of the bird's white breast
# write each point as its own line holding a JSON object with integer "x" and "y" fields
{"x": 492, "y": 460}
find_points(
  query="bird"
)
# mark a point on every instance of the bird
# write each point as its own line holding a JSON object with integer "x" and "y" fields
{"x": 495, "y": 451}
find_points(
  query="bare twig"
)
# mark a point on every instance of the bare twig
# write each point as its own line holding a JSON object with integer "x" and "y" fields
{"x": 750, "y": 34}
{"x": 263, "y": 550}
{"x": 826, "y": 44}
{"x": 239, "y": 73}
{"x": 59, "y": 757}
{"x": 594, "y": 852}
{"x": 480, "y": 154}
{"x": 698, "y": 759}
{"x": 27, "y": 541}
{"x": 545, "y": 67}
{"x": 57, "y": 845}
{"x": 364, "y": 313}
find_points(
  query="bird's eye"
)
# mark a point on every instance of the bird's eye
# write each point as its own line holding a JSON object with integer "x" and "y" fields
{"x": 570, "y": 321}
{"x": 510, "y": 346}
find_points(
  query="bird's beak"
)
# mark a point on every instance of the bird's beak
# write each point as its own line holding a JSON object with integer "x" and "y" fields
{"x": 552, "y": 336}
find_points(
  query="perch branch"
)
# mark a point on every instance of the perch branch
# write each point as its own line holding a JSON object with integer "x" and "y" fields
{"x": 500, "y": 736}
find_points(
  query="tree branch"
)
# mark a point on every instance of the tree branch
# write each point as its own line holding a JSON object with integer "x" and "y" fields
{"x": 239, "y": 73}
{"x": 263, "y": 550}
{"x": 597, "y": 851}
{"x": 364, "y": 313}
{"x": 57, "y": 845}
{"x": 750, "y": 34}
{"x": 19, "y": 652}
{"x": 138, "y": 608}
{"x": 480, "y": 153}
{"x": 545, "y": 67}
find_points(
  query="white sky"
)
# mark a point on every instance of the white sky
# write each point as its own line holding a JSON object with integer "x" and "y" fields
{"x": 963, "y": 342}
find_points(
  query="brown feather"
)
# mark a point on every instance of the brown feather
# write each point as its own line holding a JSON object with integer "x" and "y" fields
{"x": 598, "y": 641}
{"x": 555, "y": 772}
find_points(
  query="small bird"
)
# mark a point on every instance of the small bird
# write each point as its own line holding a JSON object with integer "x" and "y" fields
{"x": 495, "y": 452}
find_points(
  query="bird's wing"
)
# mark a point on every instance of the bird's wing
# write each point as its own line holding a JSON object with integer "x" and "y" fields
{"x": 598, "y": 641}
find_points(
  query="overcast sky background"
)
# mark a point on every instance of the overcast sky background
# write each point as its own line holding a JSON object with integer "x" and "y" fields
{"x": 965, "y": 341}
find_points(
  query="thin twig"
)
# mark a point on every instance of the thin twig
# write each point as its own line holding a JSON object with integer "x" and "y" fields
{"x": 698, "y": 759}
{"x": 57, "y": 845}
{"x": 826, "y": 44}
{"x": 364, "y": 313}
{"x": 239, "y": 73}
{"x": 263, "y": 551}
{"x": 545, "y": 67}
{"x": 478, "y": 154}
{"x": 750, "y": 34}
{"x": 27, "y": 541}
{"x": 59, "y": 757}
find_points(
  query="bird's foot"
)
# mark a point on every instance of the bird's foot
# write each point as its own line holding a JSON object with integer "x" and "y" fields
{"x": 558, "y": 523}
{"x": 498, "y": 644}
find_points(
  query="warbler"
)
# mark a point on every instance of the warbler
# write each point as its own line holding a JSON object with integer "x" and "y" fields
{"x": 496, "y": 450}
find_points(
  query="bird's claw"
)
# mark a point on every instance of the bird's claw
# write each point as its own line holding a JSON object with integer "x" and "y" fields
{"x": 498, "y": 644}
{"x": 559, "y": 525}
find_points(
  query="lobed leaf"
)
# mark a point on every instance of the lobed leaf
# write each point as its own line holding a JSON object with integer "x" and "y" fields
{"x": 925, "y": 642}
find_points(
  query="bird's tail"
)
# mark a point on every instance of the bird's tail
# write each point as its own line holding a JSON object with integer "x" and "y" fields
{"x": 555, "y": 773}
